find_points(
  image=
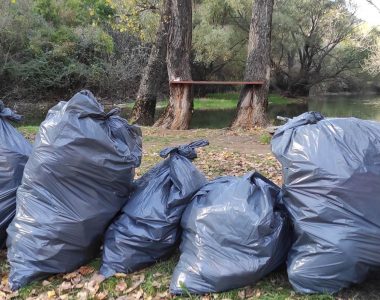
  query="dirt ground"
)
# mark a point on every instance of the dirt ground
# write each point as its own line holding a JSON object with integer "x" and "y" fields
{"x": 247, "y": 142}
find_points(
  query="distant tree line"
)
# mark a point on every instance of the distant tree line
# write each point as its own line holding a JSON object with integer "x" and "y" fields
{"x": 50, "y": 48}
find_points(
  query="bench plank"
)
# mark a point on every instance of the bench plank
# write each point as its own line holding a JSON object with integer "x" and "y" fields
{"x": 217, "y": 82}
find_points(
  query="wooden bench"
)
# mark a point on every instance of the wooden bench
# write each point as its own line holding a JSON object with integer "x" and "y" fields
{"x": 191, "y": 82}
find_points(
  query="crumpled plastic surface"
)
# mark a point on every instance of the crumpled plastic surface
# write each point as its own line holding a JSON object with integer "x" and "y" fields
{"x": 147, "y": 230}
{"x": 14, "y": 153}
{"x": 78, "y": 177}
{"x": 235, "y": 232}
{"x": 331, "y": 189}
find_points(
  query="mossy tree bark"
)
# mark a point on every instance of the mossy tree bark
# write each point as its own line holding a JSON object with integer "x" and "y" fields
{"x": 177, "y": 114}
{"x": 253, "y": 101}
{"x": 145, "y": 105}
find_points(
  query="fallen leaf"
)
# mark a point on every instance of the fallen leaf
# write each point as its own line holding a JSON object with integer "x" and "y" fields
{"x": 241, "y": 294}
{"x": 138, "y": 295}
{"x": 71, "y": 275}
{"x": 51, "y": 294}
{"x": 79, "y": 286}
{"x": 86, "y": 270}
{"x": 99, "y": 278}
{"x": 102, "y": 295}
{"x": 64, "y": 297}
{"x": 45, "y": 283}
{"x": 121, "y": 286}
{"x": 120, "y": 275}
{"x": 83, "y": 295}
{"x": 77, "y": 279}
{"x": 136, "y": 284}
{"x": 92, "y": 286}
{"x": 66, "y": 285}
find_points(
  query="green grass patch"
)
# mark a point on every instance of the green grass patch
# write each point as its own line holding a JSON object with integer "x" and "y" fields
{"x": 225, "y": 101}
{"x": 265, "y": 138}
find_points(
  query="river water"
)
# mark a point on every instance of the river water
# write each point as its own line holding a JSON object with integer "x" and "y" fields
{"x": 365, "y": 107}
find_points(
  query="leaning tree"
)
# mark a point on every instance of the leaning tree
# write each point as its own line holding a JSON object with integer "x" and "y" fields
{"x": 253, "y": 101}
{"x": 145, "y": 105}
{"x": 177, "y": 114}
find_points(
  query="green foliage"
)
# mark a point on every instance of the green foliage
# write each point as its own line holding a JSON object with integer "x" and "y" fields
{"x": 265, "y": 138}
{"x": 50, "y": 47}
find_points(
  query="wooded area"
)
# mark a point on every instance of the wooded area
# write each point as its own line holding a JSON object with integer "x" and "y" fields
{"x": 118, "y": 49}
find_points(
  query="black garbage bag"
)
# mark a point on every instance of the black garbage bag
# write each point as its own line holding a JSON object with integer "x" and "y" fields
{"x": 14, "y": 153}
{"x": 78, "y": 177}
{"x": 148, "y": 230}
{"x": 331, "y": 190}
{"x": 234, "y": 233}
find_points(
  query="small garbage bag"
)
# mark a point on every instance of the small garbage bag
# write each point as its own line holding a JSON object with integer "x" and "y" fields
{"x": 148, "y": 230}
{"x": 331, "y": 190}
{"x": 14, "y": 153}
{"x": 234, "y": 233}
{"x": 78, "y": 177}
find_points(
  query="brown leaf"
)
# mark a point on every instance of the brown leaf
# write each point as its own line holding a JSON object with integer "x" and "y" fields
{"x": 241, "y": 294}
{"x": 249, "y": 292}
{"x": 51, "y": 294}
{"x": 136, "y": 284}
{"x": 77, "y": 279}
{"x": 86, "y": 270}
{"x": 156, "y": 284}
{"x": 45, "y": 283}
{"x": 79, "y": 285}
{"x": 66, "y": 285}
{"x": 83, "y": 295}
{"x": 99, "y": 278}
{"x": 92, "y": 286}
{"x": 138, "y": 295}
{"x": 102, "y": 295}
{"x": 120, "y": 275}
{"x": 71, "y": 275}
{"x": 121, "y": 286}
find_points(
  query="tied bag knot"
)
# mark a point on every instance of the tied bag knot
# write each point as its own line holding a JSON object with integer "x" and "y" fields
{"x": 7, "y": 113}
{"x": 187, "y": 151}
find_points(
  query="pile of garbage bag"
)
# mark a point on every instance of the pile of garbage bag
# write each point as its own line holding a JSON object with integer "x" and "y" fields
{"x": 14, "y": 153}
{"x": 331, "y": 170}
{"x": 235, "y": 231}
{"x": 76, "y": 193}
{"x": 147, "y": 230}
{"x": 76, "y": 180}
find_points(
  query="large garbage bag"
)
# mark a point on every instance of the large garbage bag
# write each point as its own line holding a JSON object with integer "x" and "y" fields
{"x": 148, "y": 229}
{"x": 14, "y": 153}
{"x": 331, "y": 189}
{"x": 234, "y": 233}
{"x": 78, "y": 177}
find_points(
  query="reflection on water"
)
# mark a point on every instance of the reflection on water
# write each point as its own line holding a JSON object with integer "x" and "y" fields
{"x": 364, "y": 107}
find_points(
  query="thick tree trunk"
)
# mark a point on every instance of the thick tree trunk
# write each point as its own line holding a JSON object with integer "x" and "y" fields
{"x": 177, "y": 114}
{"x": 253, "y": 101}
{"x": 145, "y": 105}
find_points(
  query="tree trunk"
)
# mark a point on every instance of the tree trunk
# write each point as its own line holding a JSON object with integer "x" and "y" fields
{"x": 253, "y": 101}
{"x": 177, "y": 114}
{"x": 145, "y": 105}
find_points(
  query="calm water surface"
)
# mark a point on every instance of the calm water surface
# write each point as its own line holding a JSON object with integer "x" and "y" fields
{"x": 364, "y": 107}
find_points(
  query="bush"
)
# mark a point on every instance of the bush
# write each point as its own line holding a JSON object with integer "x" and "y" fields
{"x": 52, "y": 48}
